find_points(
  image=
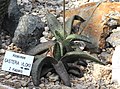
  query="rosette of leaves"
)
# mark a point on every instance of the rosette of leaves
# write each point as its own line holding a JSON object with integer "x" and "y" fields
{"x": 63, "y": 52}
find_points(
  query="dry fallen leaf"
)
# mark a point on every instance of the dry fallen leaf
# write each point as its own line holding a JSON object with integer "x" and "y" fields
{"x": 94, "y": 27}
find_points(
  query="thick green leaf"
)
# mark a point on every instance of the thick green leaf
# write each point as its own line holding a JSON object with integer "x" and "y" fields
{"x": 72, "y": 37}
{"x": 40, "y": 48}
{"x": 37, "y": 68}
{"x": 54, "y": 26}
{"x": 58, "y": 51}
{"x": 74, "y": 56}
{"x": 59, "y": 36}
{"x": 70, "y": 21}
{"x": 62, "y": 72}
{"x": 82, "y": 62}
{"x": 67, "y": 46}
{"x": 78, "y": 37}
{"x": 75, "y": 70}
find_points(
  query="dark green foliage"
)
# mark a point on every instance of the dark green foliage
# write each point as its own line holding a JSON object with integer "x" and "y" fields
{"x": 63, "y": 52}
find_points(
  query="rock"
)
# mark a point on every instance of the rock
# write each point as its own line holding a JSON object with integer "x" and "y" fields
{"x": 12, "y": 18}
{"x": 43, "y": 39}
{"x": 53, "y": 77}
{"x": 48, "y": 74}
{"x": 47, "y": 29}
{"x": 28, "y": 7}
{"x": 0, "y": 43}
{"x": 79, "y": 86}
{"x": 42, "y": 86}
{"x": 23, "y": 83}
{"x": 45, "y": 34}
{"x": 28, "y": 32}
{"x": 17, "y": 85}
{"x": 5, "y": 87}
{"x": 106, "y": 57}
{"x": 8, "y": 76}
{"x": 114, "y": 38}
{"x": 9, "y": 82}
{"x": 2, "y": 51}
{"x": 2, "y": 75}
{"x": 3, "y": 9}
{"x": 116, "y": 65}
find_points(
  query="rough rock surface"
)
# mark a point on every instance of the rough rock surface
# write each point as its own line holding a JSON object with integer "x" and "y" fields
{"x": 12, "y": 17}
{"x": 3, "y": 9}
{"x": 28, "y": 32}
{"x": 114, "y": 38}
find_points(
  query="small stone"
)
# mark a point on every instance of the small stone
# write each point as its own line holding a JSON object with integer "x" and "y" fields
{"x": 2, "y": 51}
{"x": 46, "y": 29}
{"x": 17, "y": 85}
{"x": 46, "y": 81}
{"x": 9, "y": 82}
{"x": 33, "y": 13}
{"x": 42, "y": 79}
{"x": 11, "y": 45}
{"x": 114, "y": 39}
{"x": 53, "y": 38}
{"x": 2, "y": 75}
{"x": 45, "y": 33}
{"x": 42, "y": 86}
{"x": 43, "y": 39}
{"x": 14, "y": 77}
{"x": 79, "y": 86}
{"x": 57, "y": 83}
{"x": 28, "y": 8}
{"x": 53, "y": 77}
{"x": 52, "y": 83}
{"x": 8, "y": 76}
{"x": 106, "y": 57}
{"x": 48, "y": 74}
{"x": 60, "y": 19}
{"x": 8, "y": 48}
{"x": 23, "y": 83}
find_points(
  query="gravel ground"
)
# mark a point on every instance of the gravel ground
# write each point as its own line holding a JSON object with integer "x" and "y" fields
{"x": 95, "y": 77}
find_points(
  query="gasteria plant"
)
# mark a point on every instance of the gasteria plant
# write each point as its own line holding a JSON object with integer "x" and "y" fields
{"x": 63, "y": 52}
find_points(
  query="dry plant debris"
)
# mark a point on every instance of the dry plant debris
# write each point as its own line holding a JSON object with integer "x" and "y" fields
{"x": 93, "y": 13}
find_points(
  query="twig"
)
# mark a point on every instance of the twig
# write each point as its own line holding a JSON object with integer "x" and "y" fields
{"x": 64, "y": 15}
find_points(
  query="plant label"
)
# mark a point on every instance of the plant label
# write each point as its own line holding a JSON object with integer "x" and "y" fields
{"x": 116, "y": 65}
{"x": 17, "y": 63}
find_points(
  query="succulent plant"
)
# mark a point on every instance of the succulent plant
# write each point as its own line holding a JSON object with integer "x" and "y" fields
{"x": 63, "y": 52}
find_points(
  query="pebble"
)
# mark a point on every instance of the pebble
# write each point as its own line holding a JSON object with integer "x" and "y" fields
{"x": 106, "y": 57}
{"x": 23, "y": 83}
{"x": 8, "y": 76}
{"x": 45, "y": 33}
{"x": 43, "y": 39}
{"x": 48, "y": 74}
{"x": 14, "y": 77}
{"x": 47, "y": 29}
{"x": 42, "y": 86}
{"x": 2, "y": 75}
{"x": 53, "y": 78}
{"x": 2, "y": 51}
{"x": 60, "y": 19}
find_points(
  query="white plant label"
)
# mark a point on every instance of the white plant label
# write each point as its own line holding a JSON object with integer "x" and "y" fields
{"x": 116, "y": 65}
{"x": 17, "y": 63}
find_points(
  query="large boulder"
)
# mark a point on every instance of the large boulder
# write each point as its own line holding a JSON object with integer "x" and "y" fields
{"x": 12, "y": 18}
{"x": 28, "y": 32}
{"x": 3, "y": 9}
